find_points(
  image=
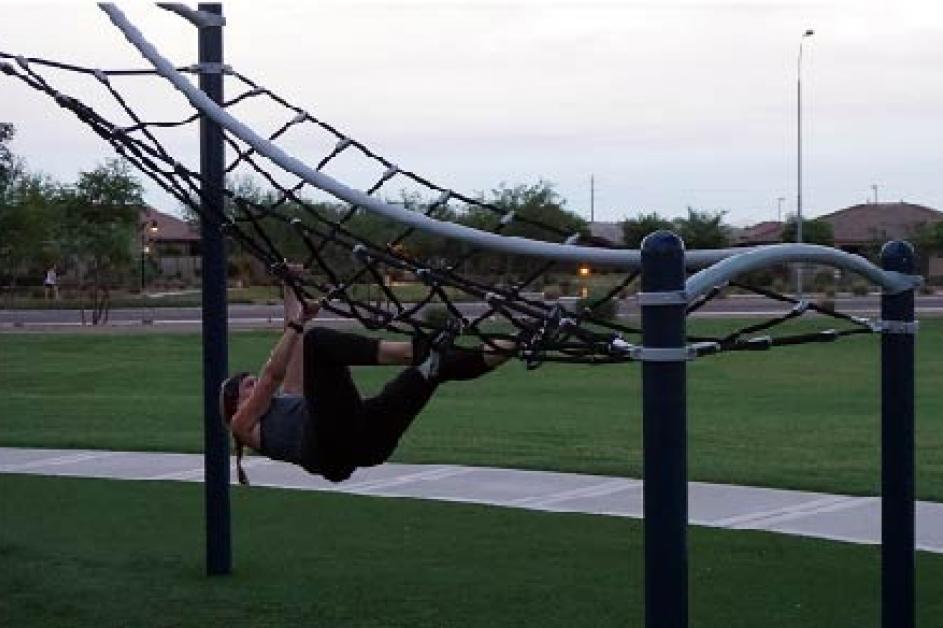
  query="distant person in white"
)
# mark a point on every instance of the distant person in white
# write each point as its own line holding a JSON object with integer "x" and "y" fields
{"x": 51, "y": 284}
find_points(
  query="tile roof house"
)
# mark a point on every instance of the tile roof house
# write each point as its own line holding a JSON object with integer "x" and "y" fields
{"x": 766, "y": 232}
{"x": 863, "y": 225}
{"x": 855, "y": 227}
{"x": 860, "y": 228}
{"x": 170, "y": 229}
{"x": 610, "y": 232}
{"x": 172, "y": 243}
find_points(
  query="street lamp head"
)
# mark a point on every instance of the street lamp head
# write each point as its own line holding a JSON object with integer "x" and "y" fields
{"x": 809, "y": 32}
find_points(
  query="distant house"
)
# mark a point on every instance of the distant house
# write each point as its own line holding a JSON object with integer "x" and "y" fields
{"x": 860, "y": 227}
{"x": 172, "y": 244}
{"x": 607, "y": 232}
{"x": 767, "y": 232}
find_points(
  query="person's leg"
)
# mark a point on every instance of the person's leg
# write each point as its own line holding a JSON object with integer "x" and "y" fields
{"x": 389, "y": 414}
{"x": 334, "y": 403}
{"x": 391, "y": 352}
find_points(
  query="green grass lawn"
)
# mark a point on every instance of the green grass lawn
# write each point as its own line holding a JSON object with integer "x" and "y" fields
{"x": 799, "y": 417}
{"x": 105, "y": 553}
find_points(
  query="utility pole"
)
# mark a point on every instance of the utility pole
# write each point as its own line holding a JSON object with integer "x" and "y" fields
{"x": 779, "y": 208}
{"x": 874, "y": 186}
{"x": 808, "y": 33}
{"x": 592, "y": 199}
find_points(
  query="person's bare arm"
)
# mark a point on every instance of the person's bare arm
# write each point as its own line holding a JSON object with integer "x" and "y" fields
{"x": 246, "y": 418}
{"x": 294, "y": 376}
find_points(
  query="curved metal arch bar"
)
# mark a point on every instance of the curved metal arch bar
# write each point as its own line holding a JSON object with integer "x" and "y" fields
{"x": 761, "y": 257}
{"x": 200, "y": 19}
{"x": 616, "y": 258}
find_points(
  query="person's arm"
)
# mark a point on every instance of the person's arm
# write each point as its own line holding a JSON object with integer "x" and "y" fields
{"x": 294, "y": 376}
{"x": 246, "y": 419}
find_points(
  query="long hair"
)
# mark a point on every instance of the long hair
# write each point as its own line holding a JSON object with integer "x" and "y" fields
{"x": 228, "y": 404}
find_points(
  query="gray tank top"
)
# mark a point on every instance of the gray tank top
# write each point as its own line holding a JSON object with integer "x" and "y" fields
{"x": 282, "y": 429}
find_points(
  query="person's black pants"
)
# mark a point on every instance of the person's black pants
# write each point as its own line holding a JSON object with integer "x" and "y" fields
{"x": 346, "y": 431}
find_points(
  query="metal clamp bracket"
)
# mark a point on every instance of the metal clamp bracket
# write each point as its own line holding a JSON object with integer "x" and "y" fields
{"x": 662, "y": 354}
{"x": 895, "y": 327}
{"x": 210, "y": 68}
{"x": 678, "y": 297}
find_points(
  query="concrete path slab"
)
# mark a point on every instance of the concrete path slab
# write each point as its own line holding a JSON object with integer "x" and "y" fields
{"x": 834, "y": 517}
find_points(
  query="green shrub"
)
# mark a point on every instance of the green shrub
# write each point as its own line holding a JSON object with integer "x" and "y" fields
{"x": 607, "y": 310}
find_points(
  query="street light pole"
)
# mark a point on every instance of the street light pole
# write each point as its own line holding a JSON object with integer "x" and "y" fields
{"x": 808, "y": 33}
{"x": 148, "y": 231}
{"x": 142, "y": 262}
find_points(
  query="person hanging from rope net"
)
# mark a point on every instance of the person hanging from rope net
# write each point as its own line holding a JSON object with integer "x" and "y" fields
{"x": 304, "y": 407}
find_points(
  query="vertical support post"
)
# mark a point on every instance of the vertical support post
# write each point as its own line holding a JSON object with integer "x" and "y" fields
{"x": 215, "y": 351}
{"x": 664, "y": 419}
{"x": 799, "y": 170}
{"x": 897, "y": 446}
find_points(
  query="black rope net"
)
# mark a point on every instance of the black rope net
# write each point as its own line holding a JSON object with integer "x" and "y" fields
{"x": 350, "y": 264}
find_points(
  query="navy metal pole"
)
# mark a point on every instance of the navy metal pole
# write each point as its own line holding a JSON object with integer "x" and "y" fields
{"x": 215, "y": 354}
{"x": 664, "y": 418}
{"x": 897, "y": 445}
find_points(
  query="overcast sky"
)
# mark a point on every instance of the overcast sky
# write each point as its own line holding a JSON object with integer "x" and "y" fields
{"x": 669, "y": 104}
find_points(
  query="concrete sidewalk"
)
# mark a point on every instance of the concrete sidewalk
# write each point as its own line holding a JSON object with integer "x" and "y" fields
{"x": 835, "y": 517}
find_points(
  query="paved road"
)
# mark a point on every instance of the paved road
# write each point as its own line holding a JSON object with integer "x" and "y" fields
{"x": 270, "y": 315}
{"x": 834, "y": 517}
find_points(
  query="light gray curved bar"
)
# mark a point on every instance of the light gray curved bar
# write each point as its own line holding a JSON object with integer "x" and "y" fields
{"x": 200, "y": 19}
{"x": 617, "y": 258}
{"x": 761, "y": 257}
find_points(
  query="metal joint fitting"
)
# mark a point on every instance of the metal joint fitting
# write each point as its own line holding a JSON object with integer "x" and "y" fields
{"x": 908, "y": 328}
{"x": 678, "y": 297}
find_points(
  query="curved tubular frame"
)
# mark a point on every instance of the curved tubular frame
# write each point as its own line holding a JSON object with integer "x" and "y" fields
{"x": 200, "y": 19}
{"x": 619, "y": 258}
{"x": 761, "y": 257}
{"x": 720, "y": 264}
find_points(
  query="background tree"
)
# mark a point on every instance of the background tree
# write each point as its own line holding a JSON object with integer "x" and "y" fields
{"x": 928, "y": 241}
{"x": 25, "y": 222}
{"x": 28, "y": 229}
{"x": 11, "y": 166}
{"x": 703, "y": 229}
{"x": 538, "y": 202}
{"x": 635, "y": 229}
{"x": 99, "y": 218}
{"x": 815, "y": 231}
